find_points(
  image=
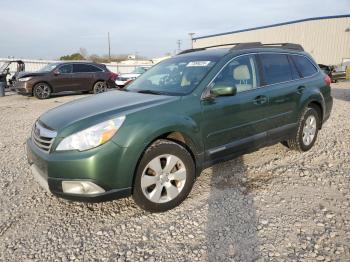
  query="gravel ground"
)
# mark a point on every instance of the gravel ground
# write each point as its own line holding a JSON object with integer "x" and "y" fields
{"x": 273, "y": 204}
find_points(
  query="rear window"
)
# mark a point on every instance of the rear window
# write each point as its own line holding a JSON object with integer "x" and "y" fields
{"x": 304, "y": 66}
{"x": 83, "y": 68}
{"x": 276, "y": 68}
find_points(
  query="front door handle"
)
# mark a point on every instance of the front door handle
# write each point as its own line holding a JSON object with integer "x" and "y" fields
{"x": 259, "y": 100}
{"x": 301, "y": 89}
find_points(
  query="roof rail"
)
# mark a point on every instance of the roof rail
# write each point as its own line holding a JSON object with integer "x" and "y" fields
{"x": 191, "y": 50}
{"x": 247, "y": 45}
{"x": 260, "y": 45}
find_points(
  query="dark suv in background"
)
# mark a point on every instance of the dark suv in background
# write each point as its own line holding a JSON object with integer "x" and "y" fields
{"x": 63, "y": 77}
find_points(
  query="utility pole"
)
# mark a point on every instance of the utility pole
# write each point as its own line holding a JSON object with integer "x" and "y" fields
{"x": 109, "y": 48}
{"x": 178, "y": 46}
{"x": 191, "y": 39}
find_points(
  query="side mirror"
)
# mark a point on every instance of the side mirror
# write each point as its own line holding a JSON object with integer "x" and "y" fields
{"x": 223, "y": 90}
{"x": 56, "y": 72}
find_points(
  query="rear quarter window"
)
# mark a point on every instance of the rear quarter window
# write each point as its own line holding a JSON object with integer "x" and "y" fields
{"x": 276, "y": 68}
{"x": 304, "y": 65}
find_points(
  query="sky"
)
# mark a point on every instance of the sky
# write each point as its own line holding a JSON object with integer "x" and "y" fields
{"x": 47, "y": 29}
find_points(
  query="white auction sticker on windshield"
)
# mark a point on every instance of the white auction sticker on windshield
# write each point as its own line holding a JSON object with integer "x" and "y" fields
{"x": 198, "y": 63}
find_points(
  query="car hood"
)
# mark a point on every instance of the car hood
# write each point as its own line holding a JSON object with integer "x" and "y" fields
{"x": 28, "y": 74}
{"x": 99, "y": 107}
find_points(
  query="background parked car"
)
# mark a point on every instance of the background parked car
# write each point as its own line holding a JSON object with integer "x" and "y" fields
{"x": 62, "y": 77}
{"x": 327, "y": 69}
{"x": 333, "y": 73}
{"x": 124, "y": 79}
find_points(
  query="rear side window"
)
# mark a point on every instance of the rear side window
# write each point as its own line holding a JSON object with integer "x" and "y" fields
{"x": 82, "y": 68}
{"x": 276, "y": 68}
{"x": 304, "y": 66}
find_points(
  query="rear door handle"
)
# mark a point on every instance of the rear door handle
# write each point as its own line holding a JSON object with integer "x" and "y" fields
{"x": 301, "y": 89}
{"x": 259, "y": 100}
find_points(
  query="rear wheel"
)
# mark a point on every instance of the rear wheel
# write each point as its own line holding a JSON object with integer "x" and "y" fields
{"x": 306, "y": 134}
{"x": 42, "y": 91}
{"x": 100, "y": 87}
{"x": 164, "y": 176}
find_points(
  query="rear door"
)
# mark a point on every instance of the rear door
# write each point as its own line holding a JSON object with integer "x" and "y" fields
{"x": 280, "y": 81}
{"x": 84, "y": 75}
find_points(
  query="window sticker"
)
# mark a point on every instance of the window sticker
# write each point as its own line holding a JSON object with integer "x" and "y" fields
{"x": 198, "y": 63}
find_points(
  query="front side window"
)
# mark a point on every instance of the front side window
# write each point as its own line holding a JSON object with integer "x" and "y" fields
{"x": 276, "y": 68}
{"x": 83, "y": 68}
{"x": 175, "y": 76}
{"x": 305, "y": 67}
{"x": 65, "y": 69}
{"x": 240, "y": 73}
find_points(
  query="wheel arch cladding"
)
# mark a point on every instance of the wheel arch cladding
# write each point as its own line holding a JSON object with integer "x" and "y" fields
{"x": 174, "y": 136}
{"x": 318, "y": 107}
{"x": 99, "y": 80}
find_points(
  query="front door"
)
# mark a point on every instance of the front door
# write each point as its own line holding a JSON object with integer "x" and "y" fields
{"x": 233, "y": 123}
{"x": 62, "y": 79}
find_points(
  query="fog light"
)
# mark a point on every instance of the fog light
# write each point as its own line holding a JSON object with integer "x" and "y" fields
{"x": 81, "y": 187}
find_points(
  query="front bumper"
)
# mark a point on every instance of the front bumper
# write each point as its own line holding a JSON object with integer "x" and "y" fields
{"x": 51, "y": 169}
{"x": 23, "y": 88}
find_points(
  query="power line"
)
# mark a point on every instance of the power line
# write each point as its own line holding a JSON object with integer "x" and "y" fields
{"x": 109, "y": 48}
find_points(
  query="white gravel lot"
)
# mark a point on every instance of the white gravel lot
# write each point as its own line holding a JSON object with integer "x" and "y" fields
{"x": 274, "y": 204}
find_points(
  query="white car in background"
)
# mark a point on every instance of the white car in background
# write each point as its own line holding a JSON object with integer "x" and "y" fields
{"x": 124, "y": 79}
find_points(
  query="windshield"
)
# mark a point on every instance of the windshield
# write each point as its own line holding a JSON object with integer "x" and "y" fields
{"x": 48, "y": 67}
{"x": 176, "y": 76}
{"x": 139, "y": 70}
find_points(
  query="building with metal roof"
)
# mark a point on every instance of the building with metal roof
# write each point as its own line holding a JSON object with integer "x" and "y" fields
{"x": 327, "y": 39}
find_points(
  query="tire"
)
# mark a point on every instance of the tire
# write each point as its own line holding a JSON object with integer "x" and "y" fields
{"x": 100, "y": 87}
{"x": 306, "y": 134}
{"x": 164, "y": 176}
{"x": 42, "y": 91}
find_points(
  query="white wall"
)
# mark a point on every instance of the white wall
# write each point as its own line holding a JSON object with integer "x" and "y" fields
{"x": 325, "y": 39}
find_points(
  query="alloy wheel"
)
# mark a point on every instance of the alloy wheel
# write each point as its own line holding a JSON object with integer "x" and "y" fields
{"x": 100, "y": 87}
{"x": 42, "y": 91}
{"x": 309, "y": 130}
{"x": 163, "y": 178}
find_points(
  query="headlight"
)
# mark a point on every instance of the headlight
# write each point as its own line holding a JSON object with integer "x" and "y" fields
{"x": 24, "y": 79}
{"x": 92, "y": 136}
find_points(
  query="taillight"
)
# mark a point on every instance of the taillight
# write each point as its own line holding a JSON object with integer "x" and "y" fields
{"x": 327, "y": 80}
{"x": 113, "y": 76}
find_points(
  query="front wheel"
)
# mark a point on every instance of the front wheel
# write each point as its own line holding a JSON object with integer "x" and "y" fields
{"x": 306, "y": 134}
{"x": 164, "y": 177}
{"x": 42, "y": 91}
{"x": 100, "y": 87}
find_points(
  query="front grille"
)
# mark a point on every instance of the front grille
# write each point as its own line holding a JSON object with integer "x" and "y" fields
{"x": 43, "y": 137}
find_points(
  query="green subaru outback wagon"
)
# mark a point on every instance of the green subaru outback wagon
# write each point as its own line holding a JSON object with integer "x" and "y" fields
{"x": 187, "y": 113}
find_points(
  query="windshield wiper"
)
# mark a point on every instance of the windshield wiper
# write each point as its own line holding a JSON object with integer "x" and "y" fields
{"x": 147, "y": 91}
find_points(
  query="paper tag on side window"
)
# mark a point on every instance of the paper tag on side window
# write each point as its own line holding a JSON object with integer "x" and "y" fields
{"x": 198, "y": 63}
